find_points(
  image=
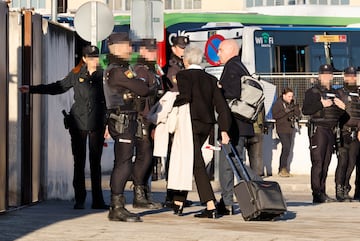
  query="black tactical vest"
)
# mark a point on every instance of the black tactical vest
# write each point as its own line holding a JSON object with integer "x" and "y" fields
{"x": 328, "y": 116}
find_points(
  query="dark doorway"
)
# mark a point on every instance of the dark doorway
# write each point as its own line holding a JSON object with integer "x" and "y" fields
{"x": 290, "y": 59}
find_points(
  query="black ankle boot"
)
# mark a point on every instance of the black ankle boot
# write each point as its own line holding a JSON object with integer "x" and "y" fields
{"x": 347, "y": 197}
{"x": 357, "y": 194}
{"x": 340, "y": 193}
{"x": 118, "y": 212}
{"x": 207, "y": 214}
{"x": 141, "y": 200}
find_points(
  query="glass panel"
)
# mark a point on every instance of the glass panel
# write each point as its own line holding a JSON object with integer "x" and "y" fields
{"x": 14, "y": 3}
{"x": 258, "y": 3}
{"x": 249, "y": 3}
{"x": 109, "y": 4}
{"x": 177, "y": 4}
{"x": 291, "y": 2}
{"x": 62, "y": 7}
{"x": 345, "y": 2}
{"x": 323, "y": 2}
{"x": 188, "y": 4}
{"x": 197, "y": 4}
{"x": 168, "y": 4}
{"x": 43, "y": 3}
{"x": 127, "y": 5}
{"x": 23, "y": 3}
{"x": 33, "y": 3}
{"x": 270, "y": 2}
{"x": 117, "y": 5}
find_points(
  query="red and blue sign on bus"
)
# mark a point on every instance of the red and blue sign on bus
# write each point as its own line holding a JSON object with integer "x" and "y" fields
{"x": 211, "y": 49}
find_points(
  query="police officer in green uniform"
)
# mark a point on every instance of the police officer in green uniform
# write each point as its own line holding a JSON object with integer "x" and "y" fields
{"x": 86, "y": 121}
{"x": 146, "y": 70}
{"x": 348, "y": 146}
{"x": 122, "y": 89}
{"x": 325, "y": 108}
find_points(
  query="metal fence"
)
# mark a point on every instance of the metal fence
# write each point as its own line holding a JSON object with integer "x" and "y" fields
{"x": 298, "y": 83}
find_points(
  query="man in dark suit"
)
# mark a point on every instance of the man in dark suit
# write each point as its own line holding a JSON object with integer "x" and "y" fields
{"x": 240, "y": 130}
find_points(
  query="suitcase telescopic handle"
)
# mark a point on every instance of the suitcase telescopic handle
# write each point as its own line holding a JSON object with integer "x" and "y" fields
{"x": 232, "y": 156}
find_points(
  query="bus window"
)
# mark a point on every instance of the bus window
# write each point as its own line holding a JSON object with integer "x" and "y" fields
{"x": 289, "y": 59}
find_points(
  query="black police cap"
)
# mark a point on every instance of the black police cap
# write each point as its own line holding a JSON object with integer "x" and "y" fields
{"x": 350, "y": 71}
{"x": 90, "y": 51}
{"x": 149, "y": 43}
{"x": 326, "y": 69}
{"x": 180, "y": 41}
{"x": 118, "y": 37}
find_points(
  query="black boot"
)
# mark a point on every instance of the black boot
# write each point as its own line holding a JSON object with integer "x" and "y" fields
{"x": 357, "y": 194}
{"x": 147, "y": 191}
{"x": 118, "y": 212}
{"x": 347, "y": 197}
{"x": 141, "y": 200}
{"x": 340, "y": 193}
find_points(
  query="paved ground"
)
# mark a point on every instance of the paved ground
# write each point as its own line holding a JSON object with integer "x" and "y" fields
{"x": 56, "y": 220}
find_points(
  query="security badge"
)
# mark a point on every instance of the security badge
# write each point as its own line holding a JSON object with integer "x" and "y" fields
{"x": 81, "y": 80}
{"x": 174, "y": 80}
{"x": 130, "y": 73}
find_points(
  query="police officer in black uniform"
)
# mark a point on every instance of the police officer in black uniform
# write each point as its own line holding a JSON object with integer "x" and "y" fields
{"x": 86, "y": 121}
{"x": 176, "y": 62}
{"x": 325, "y": 108}
{"x": 146, "y": 70}
{"x": 122, "y": 89}
{"x": 348, "y": 146}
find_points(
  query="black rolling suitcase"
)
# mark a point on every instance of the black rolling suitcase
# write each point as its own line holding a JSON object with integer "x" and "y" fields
{"x": 258, "y": 199}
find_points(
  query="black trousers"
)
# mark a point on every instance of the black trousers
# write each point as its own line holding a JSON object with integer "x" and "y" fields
{"x": 321, "y": 149}
{"x": 200, "y": 133}
{"x": 286, "y": 140}
{"x": 347, "y": 155}
{"x": 142, "y": 167}
{"x": 357, "y": 178}
{"x": 78, "y": 144}
{"x": 124, "y": 149}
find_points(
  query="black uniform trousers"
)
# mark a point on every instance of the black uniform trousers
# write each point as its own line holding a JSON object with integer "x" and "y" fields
{"x": 200, "y": 133}
{"x": 357, "y": 179}
{"x": 124, "y": 150}
{"x": 78, "y": 144}
{"x": 144, "y": 157}
{"x": 321, "y": 149}
{"x": 347, "y": 155}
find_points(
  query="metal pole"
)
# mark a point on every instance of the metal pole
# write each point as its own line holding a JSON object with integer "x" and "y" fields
{"x": 93, "y": 25}
{"x": 54, "y": 7}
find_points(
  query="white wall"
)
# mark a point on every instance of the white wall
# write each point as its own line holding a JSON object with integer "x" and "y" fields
{"x": 58, "y": 60}
{"x": 299, "y": 160}
{"x": 15, "y": 72}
